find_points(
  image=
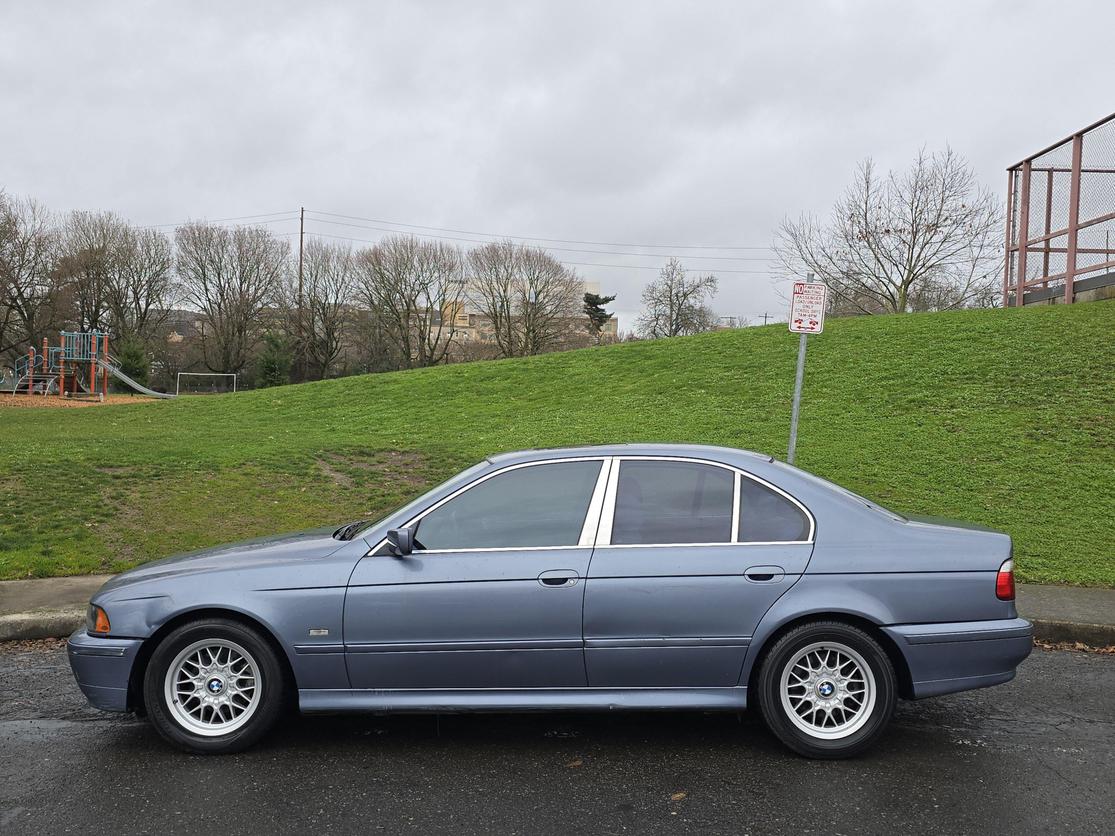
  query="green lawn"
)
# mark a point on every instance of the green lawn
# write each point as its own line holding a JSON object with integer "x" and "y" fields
{"x": 1000, "y": 417}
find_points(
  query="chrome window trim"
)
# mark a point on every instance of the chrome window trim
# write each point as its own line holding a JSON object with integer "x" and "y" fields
{"x": 607, "y": 514}
{"x": 501, "y": 549}
{"x": 735, "y": 506}
{"x": 604, "y": 462}
{"x": 704, "y": 545}
{"x": 604, "y": 540}
{"x": 609, "y": 477}
{"x": 595, "y": 506}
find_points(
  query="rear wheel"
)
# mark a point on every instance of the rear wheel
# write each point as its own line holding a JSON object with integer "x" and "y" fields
{"x": 827, "y": 690}
{"x": 214, "y": 687}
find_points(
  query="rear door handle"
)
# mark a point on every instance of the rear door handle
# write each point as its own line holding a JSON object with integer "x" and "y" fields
{"x": 558, "y": 577}
{"x": 765, "y": 574}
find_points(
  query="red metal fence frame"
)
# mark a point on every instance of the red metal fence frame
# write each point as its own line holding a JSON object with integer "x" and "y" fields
{"x": 1021, "y": 243}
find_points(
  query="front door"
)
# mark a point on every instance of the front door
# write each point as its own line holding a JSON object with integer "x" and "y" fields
{"x": 694, "y": 555}
{"x": 492, "y": 595}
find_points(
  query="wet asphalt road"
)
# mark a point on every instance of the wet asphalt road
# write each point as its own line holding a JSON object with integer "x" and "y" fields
{"x": 1034, "y": 756}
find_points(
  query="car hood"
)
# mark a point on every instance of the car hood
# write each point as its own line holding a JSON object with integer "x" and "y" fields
{"x": 248, "y": 554}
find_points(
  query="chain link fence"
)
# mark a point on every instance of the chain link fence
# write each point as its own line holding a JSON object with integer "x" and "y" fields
{"x": 1061, "y": 220}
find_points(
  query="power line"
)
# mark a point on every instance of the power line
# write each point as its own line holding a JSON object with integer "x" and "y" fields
{"x": 556, "y": 249}
{"x": 539, "y": 238}
{"x": 566, "y": 263}
{"x": 293, "y": 213}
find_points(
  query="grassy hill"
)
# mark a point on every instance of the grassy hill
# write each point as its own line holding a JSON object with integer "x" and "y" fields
{"x": 1000, "y": 417}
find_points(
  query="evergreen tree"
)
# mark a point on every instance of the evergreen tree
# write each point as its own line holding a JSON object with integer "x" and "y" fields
{"x": 594, "y": 310}
{"x": 131, "y": 357}
{"x": 273, "y": 364}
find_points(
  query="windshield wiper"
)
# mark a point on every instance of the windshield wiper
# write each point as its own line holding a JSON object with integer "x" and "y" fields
{"x": 347, "y": 532}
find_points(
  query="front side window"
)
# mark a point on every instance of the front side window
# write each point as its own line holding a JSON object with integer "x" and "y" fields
{"x": 672, "y": 502}
{"x": 768, "y": 517}
{"x": 528, "y": 507}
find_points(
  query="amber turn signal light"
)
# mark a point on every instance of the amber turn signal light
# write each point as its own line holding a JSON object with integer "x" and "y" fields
{"x": 96, "y": 621}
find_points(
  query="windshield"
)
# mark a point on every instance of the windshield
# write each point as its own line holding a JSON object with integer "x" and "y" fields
{"x": 362, "y": 526}
{"x": 418, "y": 501}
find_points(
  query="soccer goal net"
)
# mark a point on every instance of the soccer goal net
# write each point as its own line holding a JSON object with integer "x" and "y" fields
{"x": 204, "y": 383}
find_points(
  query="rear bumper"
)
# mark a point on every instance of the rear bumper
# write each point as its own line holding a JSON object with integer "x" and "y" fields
{"x": 102, "y": 668}
{"x": 960, "y": 656}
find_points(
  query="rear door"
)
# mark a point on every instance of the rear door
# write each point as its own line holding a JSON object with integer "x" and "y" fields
{"x": 689, "y": 557}
{"x": 492, "y": 595}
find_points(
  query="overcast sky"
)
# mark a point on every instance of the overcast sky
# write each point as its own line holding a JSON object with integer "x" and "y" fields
{"x": 695, "y": 123}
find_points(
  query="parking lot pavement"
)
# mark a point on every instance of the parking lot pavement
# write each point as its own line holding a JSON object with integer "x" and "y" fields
{"x": 1034, "y": 756}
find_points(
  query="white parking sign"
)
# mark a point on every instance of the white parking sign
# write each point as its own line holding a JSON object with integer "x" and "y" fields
{"x": 807, "y": 307}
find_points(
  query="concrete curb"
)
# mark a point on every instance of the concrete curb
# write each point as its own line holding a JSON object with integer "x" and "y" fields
{"x": 44, "y": 624}
{"x": 1095, "y": 635}
{"x": 50, "y": 624}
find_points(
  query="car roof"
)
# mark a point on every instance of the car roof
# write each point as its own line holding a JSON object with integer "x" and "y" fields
{"x": 699, "y": 451}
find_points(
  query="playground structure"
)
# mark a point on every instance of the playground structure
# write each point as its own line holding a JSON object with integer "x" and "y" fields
{"x": 78, "y": 367}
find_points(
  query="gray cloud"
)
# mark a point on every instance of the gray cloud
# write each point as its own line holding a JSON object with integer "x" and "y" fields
{"x": 641, "y": 121}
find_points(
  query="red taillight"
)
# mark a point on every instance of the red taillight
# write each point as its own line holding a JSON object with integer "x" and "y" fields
{"x": 1004, "y": 581}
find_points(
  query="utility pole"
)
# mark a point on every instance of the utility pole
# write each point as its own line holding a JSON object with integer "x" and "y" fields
{"x": 301, "y": 321}
{"x": 766, "y": 316}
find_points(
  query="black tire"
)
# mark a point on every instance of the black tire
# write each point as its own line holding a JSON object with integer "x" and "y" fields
{"x": 863, "y": 727}
{"x": 269, "y": 673}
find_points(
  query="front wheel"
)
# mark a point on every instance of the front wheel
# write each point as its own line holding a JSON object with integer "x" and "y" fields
{"x": 213, "y": 687}
{"x": 827, "y": 690}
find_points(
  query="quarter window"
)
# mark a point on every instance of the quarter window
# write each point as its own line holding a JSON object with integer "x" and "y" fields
{"x": 672, "y": 502}
{"x": 768, "y": 517}
{"x": 536, "y": 506}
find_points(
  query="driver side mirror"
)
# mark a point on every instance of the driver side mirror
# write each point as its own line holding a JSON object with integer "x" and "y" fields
{"x": 401, "y": 541}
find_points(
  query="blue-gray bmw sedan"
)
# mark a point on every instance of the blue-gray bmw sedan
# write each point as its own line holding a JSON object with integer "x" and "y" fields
{"x": 648, "y": 577}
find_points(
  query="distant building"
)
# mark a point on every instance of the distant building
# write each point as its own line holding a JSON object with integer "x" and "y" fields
{"x": 471, "y": 325}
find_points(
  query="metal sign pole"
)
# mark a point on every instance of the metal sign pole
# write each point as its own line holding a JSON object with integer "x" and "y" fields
{"x": 797, "y": 398}
{"x": 802, "y": 343}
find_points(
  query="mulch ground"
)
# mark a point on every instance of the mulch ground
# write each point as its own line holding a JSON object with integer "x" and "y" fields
{"x": 10, "y": 401}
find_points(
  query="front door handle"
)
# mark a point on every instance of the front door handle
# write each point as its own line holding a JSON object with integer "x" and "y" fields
{"x": 558, "y": 577}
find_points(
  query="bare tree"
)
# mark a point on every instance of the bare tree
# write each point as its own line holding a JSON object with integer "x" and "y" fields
{"x": 675, "y": 304}
{"x": 531, "y": 300}
{"x": 142, "y": 289}
{"x": 32, "y": 302}
{"x": 927, "y": 239}
{"x": 415, "y": 288}
{"x": 329, "y": 283}
{"x": 372, "y": 342}
{"x": 230, "y": 276}
{"x": 8, "y": 231}
{"x": 88, "y": 245}
{"x": 119, "y": 277}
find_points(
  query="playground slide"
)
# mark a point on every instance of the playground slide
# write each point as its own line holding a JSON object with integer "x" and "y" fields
{"x": 119, "y": 375}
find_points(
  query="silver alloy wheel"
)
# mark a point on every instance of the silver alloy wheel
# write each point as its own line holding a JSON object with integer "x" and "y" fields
{"x": 213, "y": 687}
{"x": 828, "y": 690}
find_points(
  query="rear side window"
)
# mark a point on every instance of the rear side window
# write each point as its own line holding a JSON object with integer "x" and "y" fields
{"x": 541, "y": 505}
{"x": 768, "y": 517}
{"x": 662, "y": 502}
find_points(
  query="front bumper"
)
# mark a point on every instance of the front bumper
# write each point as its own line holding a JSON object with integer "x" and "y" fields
{"x": 102, "y": 667}
{"x": 960, "y": 656}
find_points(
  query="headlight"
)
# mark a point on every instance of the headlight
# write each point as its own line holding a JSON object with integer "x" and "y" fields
{"x": 96, "y": 621}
